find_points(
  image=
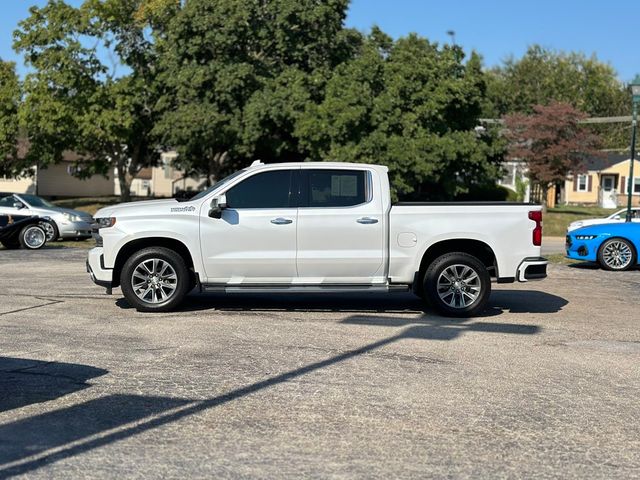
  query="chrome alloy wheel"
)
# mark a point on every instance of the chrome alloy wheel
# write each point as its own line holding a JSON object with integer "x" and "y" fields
{"x": 617, "y": 255}
{"x": 35, "y": 237}
{"x": 459, "y": 286}
{"x": 154, "y": 280}
{"x": 50, "y": 231}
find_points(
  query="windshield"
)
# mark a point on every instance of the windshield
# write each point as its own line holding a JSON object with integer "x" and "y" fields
{"x": 217, "y": 185}
{"x": 34, "y": 201}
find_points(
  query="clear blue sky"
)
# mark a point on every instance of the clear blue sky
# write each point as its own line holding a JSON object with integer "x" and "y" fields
{"x": 495, "y": 28}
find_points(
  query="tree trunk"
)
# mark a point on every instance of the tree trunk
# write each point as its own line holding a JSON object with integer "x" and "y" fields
{"x": 543, "y": 200}
{"x": 214, "y": 167}
{"x": 123, "y": 180}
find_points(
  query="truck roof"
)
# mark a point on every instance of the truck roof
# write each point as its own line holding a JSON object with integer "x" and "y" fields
{"x": 259, "y": 165}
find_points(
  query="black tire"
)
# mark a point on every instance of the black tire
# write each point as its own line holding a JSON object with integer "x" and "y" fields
{"x": 32, "y": 237}
{"x": 9, "y": 245}
{"x": 616, "y": 245}
{"x": 151, "y": 302}
{"x": 52, "y": 230}
{"x": 457, "y": 298}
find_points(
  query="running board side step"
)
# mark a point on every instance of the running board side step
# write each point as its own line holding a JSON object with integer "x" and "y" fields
{"x": 223, "y": 288}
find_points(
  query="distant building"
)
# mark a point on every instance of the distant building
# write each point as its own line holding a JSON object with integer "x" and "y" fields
{"x": 58, "y": 180}
{"x": 605, "y": 183}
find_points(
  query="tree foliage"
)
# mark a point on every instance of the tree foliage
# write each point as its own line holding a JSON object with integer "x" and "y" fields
{"x": 9, "y": 101}
{"x": 225, "y": 82}
{"x": 543, "y": 76}
{"x": 412, "y": 106}
{"x": 76, "y": 101}
{"x": 551, "y": 141}
{"x": 238, "y": 73}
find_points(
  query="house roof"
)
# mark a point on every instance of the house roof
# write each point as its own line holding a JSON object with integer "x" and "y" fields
{"x": 608, "y": 159}
{"x": 145, "y": 174}
{"x": 67, "y": 155}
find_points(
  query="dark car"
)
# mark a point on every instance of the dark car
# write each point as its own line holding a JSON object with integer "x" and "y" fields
{"x": 22, "y": 231}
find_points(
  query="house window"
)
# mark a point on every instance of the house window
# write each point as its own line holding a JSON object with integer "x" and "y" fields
{"x": 582, "y": 183}
{"x": 636, "y": 186}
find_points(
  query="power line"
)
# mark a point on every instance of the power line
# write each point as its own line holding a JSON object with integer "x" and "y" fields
{"x": 624, "y": 119}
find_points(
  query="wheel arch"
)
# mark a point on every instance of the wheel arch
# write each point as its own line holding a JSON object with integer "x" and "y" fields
{"x": 479, "y": 249}
{"x": 136, "y": 245}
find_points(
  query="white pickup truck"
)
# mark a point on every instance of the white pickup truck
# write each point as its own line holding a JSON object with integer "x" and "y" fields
{"x": 314, "y": 227}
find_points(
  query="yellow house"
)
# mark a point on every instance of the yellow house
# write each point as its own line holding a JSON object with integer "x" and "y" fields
{"x": 605, "y": 183}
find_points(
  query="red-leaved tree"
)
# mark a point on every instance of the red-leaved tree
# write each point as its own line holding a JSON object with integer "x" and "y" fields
{"x": 552, "y": 142}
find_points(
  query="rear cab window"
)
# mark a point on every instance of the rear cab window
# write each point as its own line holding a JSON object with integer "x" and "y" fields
{"x": 333, "y": 188}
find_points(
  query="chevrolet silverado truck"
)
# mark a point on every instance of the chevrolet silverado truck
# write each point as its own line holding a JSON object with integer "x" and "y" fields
{"x": 314, "y": 227}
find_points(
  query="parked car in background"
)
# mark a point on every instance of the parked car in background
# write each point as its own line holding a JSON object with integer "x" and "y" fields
{"x": 619, "y": 216}
{"x": 614, "y": 246}
{"x": 60, "y": 222}
{"x": 22, "y": 231}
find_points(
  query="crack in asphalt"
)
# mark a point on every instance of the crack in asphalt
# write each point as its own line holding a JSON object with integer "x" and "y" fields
{"x": 51, "y": 302}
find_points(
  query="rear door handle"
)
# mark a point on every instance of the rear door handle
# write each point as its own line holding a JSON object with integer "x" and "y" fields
{"x": 367, "y": 220}
{"x": 281, "y": 221}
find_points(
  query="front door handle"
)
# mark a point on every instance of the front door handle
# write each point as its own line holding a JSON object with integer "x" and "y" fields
{"x": 367, "y": 220}
{"x": 281, "y": 221}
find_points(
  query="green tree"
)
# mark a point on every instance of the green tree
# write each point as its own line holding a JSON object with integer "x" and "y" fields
{"x": 412, "y": 106}
{"x": 238, "y": 74}
{"x": 543, "y": 76}
{"x": 75, "y": 101}
{"x": 9, "y": 101}
{"x": 552, "y": 143}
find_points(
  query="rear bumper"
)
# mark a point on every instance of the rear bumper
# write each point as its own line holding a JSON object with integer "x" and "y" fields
{"x": 532, "y": 268}
{"x": 95, "y": 267}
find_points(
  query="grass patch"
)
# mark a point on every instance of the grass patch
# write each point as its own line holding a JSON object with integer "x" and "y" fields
{"x": 560, "y": 259}
{"x": 90, "y": 204}
{"x": 558, "y": 219}
{"x": 87, "y": 244}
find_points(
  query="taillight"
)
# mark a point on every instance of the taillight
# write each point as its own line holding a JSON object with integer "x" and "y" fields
{"x": 536, "y": 216}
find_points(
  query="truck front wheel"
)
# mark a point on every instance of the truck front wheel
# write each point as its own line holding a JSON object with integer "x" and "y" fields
{"x": 155, "y": 279}
{"x": 457, "y": 285}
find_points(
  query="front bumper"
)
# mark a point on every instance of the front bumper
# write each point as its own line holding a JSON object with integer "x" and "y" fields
{"x": 74, "y": 229}
{"x": 95, "y": 266}
{"x": 585, "y": 250}
{"x": 532, "y": 268}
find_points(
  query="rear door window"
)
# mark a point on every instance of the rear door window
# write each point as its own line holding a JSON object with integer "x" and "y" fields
{"x": 334, "y": 188}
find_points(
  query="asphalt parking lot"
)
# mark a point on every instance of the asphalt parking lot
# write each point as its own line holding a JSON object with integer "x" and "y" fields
{"x": 545, "y": 384}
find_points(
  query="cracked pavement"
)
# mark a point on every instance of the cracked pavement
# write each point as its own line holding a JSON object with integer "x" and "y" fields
{"x": 545, "y": 384}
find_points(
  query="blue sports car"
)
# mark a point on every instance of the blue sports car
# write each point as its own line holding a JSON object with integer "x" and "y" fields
{"x": 614, "y": 246}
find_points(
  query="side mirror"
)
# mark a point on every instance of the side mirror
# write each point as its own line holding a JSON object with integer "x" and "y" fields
{"x": 218, "y": 204}
{"x": 617, "y": 217}
{"x": 18, "y": 205}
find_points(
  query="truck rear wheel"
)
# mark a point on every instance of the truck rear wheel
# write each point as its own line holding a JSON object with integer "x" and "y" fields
{"x": 457, "y": 285}
{"x": 155, "y": 279}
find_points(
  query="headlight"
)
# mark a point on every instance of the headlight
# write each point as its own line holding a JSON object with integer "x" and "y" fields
{"x": 71, "y": 217}
{"x": 585, "y": 237}
{"x": 106, "y": 222}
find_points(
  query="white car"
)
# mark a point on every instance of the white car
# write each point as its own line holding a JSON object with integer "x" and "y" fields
{"x": 314, "y": 227}
{"x": 619, "y": 216}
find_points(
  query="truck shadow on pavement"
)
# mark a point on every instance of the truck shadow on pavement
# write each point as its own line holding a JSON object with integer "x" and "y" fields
{"x": 34, "y": 442}
{"x": 515, "y": 301}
